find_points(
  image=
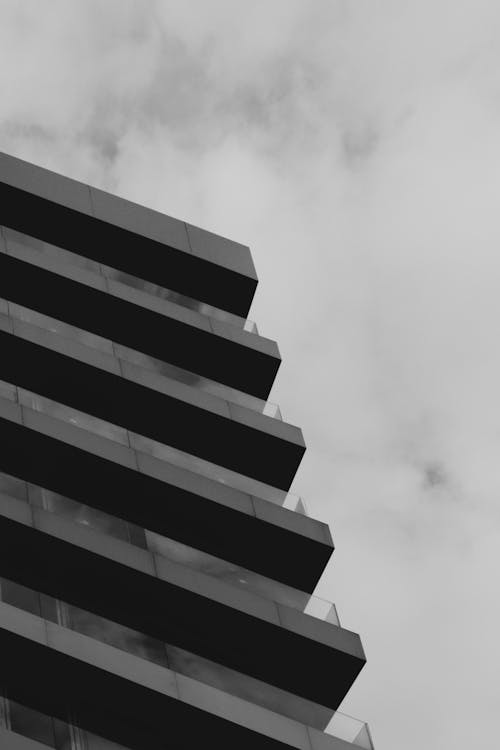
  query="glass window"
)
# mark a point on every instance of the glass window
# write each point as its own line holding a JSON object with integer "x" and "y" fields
{"x": 114, "y": 634}
{"x": 4, "y": 711}
{"x": 31, "y": 723}
{"x": 63, "y": 329}
{"x": 8, "y": 391}
{"x": 84, "y": 514}
{"x": 67, "y": 736}
{"x": 19, "y": 239}
{"x": 248, "y": 688}
{"x": 19, "y": 596}
{"x": 13, "y": 486}
{"x": 73, "y": 416}
{"x": 99, "y": 743}
{"x": 157, "y": 366}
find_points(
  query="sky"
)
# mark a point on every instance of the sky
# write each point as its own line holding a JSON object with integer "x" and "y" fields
{"x": 355, "y": 146}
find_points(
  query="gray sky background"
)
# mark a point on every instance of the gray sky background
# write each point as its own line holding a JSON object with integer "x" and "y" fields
{"x": 356, "y": 147}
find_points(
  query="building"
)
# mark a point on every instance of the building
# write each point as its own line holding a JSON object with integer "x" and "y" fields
{"x": 156, "y": 575}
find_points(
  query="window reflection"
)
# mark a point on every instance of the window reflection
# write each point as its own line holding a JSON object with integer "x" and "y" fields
{"x": 143, "y": 360}
{"x": 112, "y": 633}
{"x": 31, "y": 723}
{"x": 154, "y": 289}
{"x": 208, "y": 469}
{"x": 86, "y": 515}
{"x": 8, "y": 391}
{"x": 20, "y": 596}
{"x": 73, "y": 416}
{"x": 99, "y": 743}
{"x": 59, "y": 327}
{"x": 13, "y": 486}
{"x": 48, "y": 730}
{"x": 15, "y": 240}
{"x": 158, "y": 366}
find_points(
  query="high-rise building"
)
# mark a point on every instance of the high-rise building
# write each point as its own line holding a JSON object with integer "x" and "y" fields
{"x": 156, "y": 575}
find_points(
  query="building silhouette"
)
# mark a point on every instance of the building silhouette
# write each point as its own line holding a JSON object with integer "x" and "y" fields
{"x": 156, "y": 576}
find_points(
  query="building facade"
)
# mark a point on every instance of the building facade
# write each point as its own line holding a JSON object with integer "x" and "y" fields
{"x": 156, "y": 575}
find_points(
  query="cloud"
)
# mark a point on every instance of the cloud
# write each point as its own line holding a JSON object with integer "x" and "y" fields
{"x": 355, "y": 146}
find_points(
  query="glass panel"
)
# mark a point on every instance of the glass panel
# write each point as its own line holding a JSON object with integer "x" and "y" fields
{"x": 73, "y": 416}
{"x": 113, "y": 633}
{"x": 322, "y": 610}
{"x": 13, "y": 486}
{"x": 351, "y": 730}
{"x": 235, "y": 575}
{"x": 62, "y": 329}
{"x": 31, "y": 723}
{"x": 50, "y": 731}
{"x": 247, "y": 688}
{"x": 19, "y": 596}
{"x": 144, "y": 360}
{"x": 204, "y": 384}
{"x": 179, "y": 299}
{"x": 8, "y": 391}
{"x": 4, "y": 711}
{"x": 16, "y": 239}
{"x": 67, "y": 737}
{"x": 85, "y": 514}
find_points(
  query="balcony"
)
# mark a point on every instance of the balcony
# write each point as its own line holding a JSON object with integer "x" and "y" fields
{"x": 126, "y": 356}
{"x": 266, "y": 641}
{"x": 156, "y": 327}
{"x": 139, "y": 704}
{"x": 12, "y": 488}
{"x": 126, "y": 236}
{"x": 165, "y": 411}
{"x": 180, "y": 504}
{"x": 13, "y": 240}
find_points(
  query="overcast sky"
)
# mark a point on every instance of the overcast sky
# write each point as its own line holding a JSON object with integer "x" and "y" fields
{"x": 355, "y": 146}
